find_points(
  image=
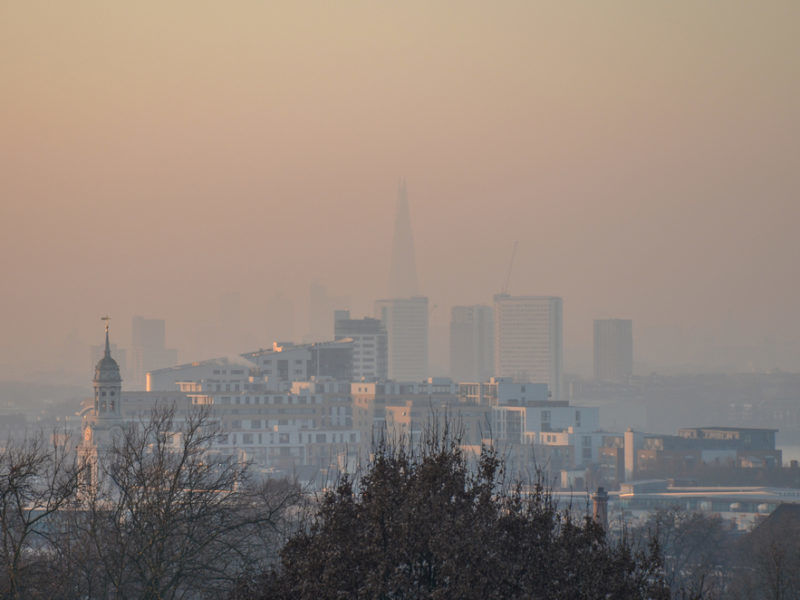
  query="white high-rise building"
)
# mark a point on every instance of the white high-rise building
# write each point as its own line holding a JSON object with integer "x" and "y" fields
{"x": 471, "y": 343}
{"x": 406, "y": 323}
{"x": 528, "y": 340}
{"x": 613, "y": 349}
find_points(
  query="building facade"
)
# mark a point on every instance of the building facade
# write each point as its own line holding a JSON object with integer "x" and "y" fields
{"x": 286, "y": 362}
{"x": 471, "y": 343}
{"x": 406, "y": 323}
{"x": 370, "y": 345}
{"x": 528, "y": 340}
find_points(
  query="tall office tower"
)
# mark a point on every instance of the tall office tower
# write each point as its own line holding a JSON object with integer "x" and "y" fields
{"x": 403, "y": 271}
{"x": 148, "y": 351}
{"x": 406, "y": 322}
{"x": 370, "y": 350}
{"x": 471, "y": 343}
{"x": 613, "y": 349}
{"x": 528, "y": 340}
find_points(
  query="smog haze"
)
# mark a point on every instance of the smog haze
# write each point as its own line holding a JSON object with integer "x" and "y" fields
{"x": 172, "y": 159}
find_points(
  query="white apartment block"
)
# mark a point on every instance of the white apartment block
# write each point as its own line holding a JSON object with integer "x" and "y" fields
{"x": 224, "y": 370}
{"x": 575, "y": 427}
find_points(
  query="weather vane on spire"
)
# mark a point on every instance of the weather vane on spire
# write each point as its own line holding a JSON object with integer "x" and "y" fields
{"x": 106, "y": 319}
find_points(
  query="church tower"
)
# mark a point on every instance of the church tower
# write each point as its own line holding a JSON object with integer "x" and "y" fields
{"x": 107, "y": 384}
{"x": 103, "y": 419}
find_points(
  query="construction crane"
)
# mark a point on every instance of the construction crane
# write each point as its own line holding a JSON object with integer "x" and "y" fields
{"x": 510, "y": 266}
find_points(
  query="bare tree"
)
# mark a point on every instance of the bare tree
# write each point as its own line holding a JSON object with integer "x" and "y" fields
{"x": 39, "y": 476}
{"x": 170, "y": 519}
{"x": 769, "y": 558}
{"x": 694, "y": 547}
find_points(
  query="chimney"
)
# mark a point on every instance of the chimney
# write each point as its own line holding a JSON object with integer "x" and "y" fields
{"x": 600, "y": 507}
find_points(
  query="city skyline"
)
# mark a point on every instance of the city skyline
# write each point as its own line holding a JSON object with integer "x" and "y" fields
{"x": 644, "y": 157}
{"x": 358, "y": 251}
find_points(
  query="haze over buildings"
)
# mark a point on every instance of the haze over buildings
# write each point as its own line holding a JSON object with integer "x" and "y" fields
{"x": 148, "y": 350}
{"x": 528, "y": 340}
{"x": 370, "y": 346}
{"x": 613, "y": 349}
{"x": 403, "y": 271}
{"x": 156, "y": 156}
{"x": 471, "y": 343}
{"x": 406, "y": 323}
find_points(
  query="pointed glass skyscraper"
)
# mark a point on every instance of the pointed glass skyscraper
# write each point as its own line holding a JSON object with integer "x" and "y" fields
{"x": 404, "y": 314}
{"x": 403, "y": 271}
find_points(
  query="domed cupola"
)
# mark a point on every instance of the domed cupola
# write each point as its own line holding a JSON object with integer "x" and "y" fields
{"x": 107, "y": 383}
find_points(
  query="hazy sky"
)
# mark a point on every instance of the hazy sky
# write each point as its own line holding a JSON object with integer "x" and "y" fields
{"x": 155, "y": 156}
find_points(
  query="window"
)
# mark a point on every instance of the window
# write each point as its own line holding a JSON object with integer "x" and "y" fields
{"x": 247, "y": 438}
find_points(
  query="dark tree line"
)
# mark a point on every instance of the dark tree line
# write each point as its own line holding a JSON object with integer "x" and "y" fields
{"x": 164, "y": 518}
{"x": 423, "y": 524}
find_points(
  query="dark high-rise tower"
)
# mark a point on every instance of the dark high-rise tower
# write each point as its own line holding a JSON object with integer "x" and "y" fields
{"x": 403, "y": 273}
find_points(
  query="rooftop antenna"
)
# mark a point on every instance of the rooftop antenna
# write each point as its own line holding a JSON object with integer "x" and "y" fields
{"x": 510, "y": 266}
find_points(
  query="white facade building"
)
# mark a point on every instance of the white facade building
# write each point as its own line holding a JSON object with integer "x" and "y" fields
{"x": 574, "y": 427}
{"x": 406, "y": 322}
{"x": 221, "y": 369}
{"x": 528, "y": 340}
